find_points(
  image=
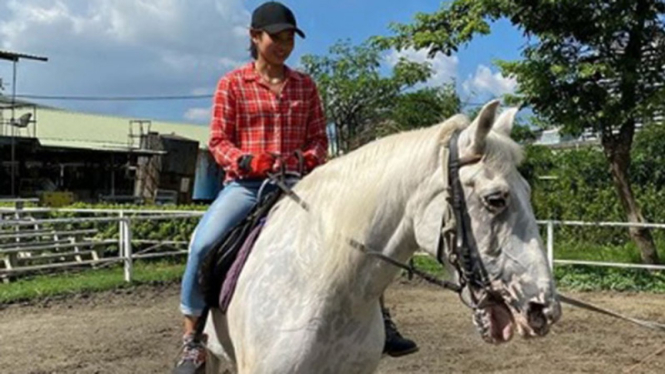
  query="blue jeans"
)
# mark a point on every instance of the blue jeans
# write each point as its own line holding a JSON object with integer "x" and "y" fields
{"x": 230, "y": 207}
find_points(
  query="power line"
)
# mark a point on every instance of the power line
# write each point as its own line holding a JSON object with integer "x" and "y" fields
{"x": 115, "y": 98}
{"x": 471, "y": 104}
{"x": 150, "y": 98}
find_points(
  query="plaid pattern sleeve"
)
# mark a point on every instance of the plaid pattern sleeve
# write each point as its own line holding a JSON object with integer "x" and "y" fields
{"x": 222, "y": 143}
{"x": 316, "y": 140}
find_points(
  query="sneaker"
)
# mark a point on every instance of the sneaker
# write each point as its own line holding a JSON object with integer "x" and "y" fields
{"x": 396, "y": 345}
{"x": 193, "y": 355}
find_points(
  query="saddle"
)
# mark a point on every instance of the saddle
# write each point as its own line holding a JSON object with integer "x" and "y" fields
{"x": 221, "y": 267}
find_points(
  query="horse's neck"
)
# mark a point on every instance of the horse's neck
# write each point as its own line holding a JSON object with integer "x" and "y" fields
{"x": 377, "y": 274}
{"x": 372, "y": 208}
{"x": 391, "y": 232}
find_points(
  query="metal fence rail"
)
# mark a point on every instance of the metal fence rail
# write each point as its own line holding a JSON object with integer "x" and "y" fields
{"x": 22, "y": 233}
{"x": 22, "y": 218}
{"x": 550, "y": 224}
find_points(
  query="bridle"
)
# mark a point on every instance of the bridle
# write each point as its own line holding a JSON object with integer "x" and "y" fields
{"x": 456, "y": 244}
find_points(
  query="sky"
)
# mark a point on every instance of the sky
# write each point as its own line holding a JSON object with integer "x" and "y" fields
{"x": 122, "y": 48}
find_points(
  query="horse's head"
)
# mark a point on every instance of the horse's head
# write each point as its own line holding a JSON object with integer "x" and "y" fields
{"x": 506, "y": 259}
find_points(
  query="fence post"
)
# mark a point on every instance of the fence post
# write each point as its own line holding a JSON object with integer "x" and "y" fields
{"x": 128, "y": 250}
{"x": 550, "y": 244}
{"x": 126, "y": 245}
{"x": 121, "y": 236}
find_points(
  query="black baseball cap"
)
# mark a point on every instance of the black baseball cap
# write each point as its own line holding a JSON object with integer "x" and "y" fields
{"x": 274, "y": 17}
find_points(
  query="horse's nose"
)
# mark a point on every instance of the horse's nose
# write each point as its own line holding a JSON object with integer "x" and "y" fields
{"x": 535, "y": 314}
{"x": 541, "y": 315}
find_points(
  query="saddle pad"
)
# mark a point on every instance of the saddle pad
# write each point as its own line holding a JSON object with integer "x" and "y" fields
{"x": 231, "y": 278}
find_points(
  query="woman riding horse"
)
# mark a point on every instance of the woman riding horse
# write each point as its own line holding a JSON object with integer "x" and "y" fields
{"x": 263, "y": 115}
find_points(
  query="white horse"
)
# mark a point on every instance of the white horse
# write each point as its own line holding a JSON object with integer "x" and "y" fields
{"x": 308, "y": 302}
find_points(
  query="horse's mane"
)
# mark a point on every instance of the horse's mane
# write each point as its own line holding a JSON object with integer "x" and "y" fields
{"x": 367, "y": 185}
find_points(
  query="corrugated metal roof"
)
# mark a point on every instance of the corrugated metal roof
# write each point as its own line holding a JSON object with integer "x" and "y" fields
{"x": 103, "y": 147}
{"x": 69, "y": 129}
{"x": 6, "y": 101}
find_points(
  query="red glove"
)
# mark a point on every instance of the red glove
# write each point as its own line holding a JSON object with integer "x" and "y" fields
{"x": 310, "y": 162}
{"x": 258, "y": 166}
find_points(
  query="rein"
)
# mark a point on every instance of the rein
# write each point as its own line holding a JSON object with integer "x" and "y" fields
{"x": 409, "y": 268}
{"x": 456, "y": 235}
{"x": 457, "y": 245}
{"x": 590, "y": 307}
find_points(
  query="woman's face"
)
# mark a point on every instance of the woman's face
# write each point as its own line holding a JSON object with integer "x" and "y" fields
{"x": 275, "y": 48}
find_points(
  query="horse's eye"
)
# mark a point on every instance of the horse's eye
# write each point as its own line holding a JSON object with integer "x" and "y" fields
{"x": 496, "y": 201}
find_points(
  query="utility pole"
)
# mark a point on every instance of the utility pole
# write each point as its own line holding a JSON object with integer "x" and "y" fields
{"x": 2, "y": 119}
{"x": 14, "y": 58}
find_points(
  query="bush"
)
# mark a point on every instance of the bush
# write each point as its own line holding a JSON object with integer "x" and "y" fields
{"x": 576, "y": 185}
{"x": 179, "y": 229}
{"x": 586, "y": 278}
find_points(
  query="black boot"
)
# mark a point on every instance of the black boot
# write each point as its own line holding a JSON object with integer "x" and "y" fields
{"x": 396, "y": 345}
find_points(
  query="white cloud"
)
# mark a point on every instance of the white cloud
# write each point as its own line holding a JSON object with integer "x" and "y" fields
{"x": 123, "y": 47}
{"x": 197, "y": 114}
{"x": 444, "y": 67}
{"x": 486, "y": 82}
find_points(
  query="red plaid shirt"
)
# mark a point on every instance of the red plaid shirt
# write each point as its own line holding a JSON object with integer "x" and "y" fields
{"x": 248, "y": 118}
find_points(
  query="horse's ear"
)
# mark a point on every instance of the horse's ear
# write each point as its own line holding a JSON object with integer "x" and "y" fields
{"x": 504, "y": 123}
{"x": 483, "y": 124}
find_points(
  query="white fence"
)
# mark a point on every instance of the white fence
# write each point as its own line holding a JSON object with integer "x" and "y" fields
{"x": 550, "y": 224}
{"x": 18, "y": 224}
{"x": 21, "y": 218}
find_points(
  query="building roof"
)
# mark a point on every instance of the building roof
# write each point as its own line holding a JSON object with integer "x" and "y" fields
{"x": 6, "y": 103}
{"x": 14, "y": 56}
{"x": 69, "y": 129}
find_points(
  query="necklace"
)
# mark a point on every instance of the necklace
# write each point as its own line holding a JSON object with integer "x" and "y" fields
{"x": 268, "y": 80}
{"x": 272, "y": 81}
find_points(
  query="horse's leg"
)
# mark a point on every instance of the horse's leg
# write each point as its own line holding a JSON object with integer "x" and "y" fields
{"x": 355, "y": 348}
{"x": 221, "y": 356}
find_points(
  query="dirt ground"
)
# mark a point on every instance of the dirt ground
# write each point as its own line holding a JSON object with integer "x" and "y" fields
{"x": 137, "y": 331}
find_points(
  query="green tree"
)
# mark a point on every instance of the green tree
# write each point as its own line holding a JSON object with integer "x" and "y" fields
{"x": 523, "y": 134}
{"x": 355, "y": 94}
{"x": 589, "y": 64}
{"x": 421, "y": 108}
{"x": 648, "y": 160}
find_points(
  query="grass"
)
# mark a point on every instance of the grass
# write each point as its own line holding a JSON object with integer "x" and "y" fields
{"x": 587, "y": 278}
{"x": 575, "y": 250}
{"x": 429, "y": 265}
{"x": 593, "y": 278}
{"x": 44, "y": 286}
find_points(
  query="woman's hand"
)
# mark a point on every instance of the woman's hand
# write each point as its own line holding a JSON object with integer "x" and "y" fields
{"x": 259, "y": 166}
